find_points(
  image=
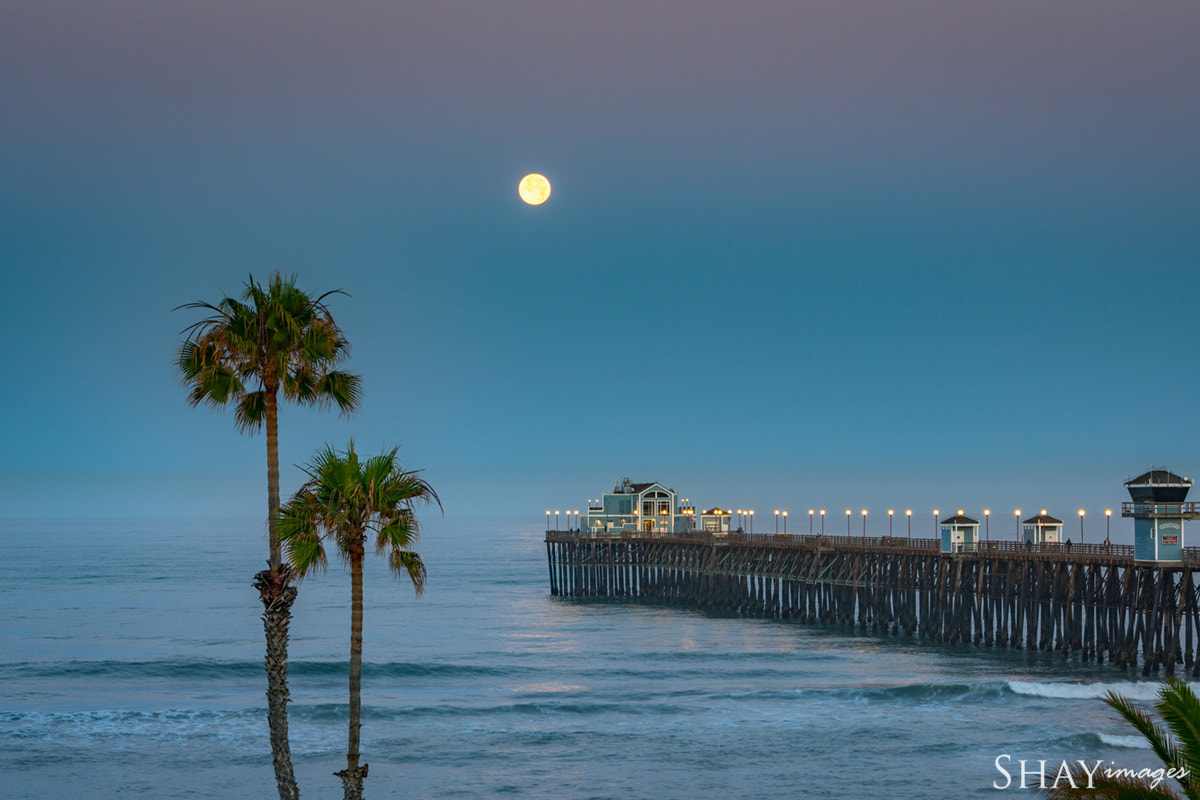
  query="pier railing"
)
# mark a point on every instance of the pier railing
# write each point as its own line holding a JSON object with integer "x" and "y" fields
{"x": 873, "y": 543}
{"x": 1176, "y": 510}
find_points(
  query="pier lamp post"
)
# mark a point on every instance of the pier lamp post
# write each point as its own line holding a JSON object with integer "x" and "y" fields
{"x": 935, "y": 523}
{"x": 739, "y": 518}
{"x": 864, "y": 523}
{"x": 577, "y": 520}
{"x": 1107, "y": 524}
{"x": 556, "y": 520}
{"x": 822, "y": 522}
{"x": 547, "y": 519}
{"x": 752, "y": 520}
{"x": 1081, "y": 526}
{"x": 1017, "y": 514}
{"x": 987, "y": 537}
{"x": 810, "y": 522}
{"x": 777, "y": 520}
{"x": 785, "y": 522}
{"x": 847, "y": 523}
{"x": 908, "y": 513}
{"x": 889, "y": 523}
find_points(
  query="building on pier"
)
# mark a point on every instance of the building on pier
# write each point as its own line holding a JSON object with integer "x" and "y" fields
{"x": 716, "y": 520}
{"x": 641, "y": 507}
{"x": 1042, "y": 529}
{"x": 960, "y": 534}
{"x": 1158, "y": 508}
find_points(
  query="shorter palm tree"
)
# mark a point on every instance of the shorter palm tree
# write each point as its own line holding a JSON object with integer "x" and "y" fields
{"x": 1177, "y": 746}
{"x": 344, "y": 500}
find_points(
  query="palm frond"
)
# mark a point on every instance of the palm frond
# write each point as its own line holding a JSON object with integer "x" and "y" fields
{"x": 1159, "y": 741}
{"x": 406, "y": 562}
{"x": 1180, "y": 709}
{"x": 251, "y": 411}
{"x": 341, "y": 388}
{"x": 399, "y": 532}
{"x": 299, "y": 529}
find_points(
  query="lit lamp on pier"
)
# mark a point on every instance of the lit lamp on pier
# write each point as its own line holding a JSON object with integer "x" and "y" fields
{"x": 810, "y": 522}
{"x": 935, "y": 522}
{"x": 1081, "y": 526}
{"x": 987, "y": 536}
{"x": 785, "y": 522}
{"x": 822, "y": 522}
{"x": 890, "y": 523}
{"x": 864, "y": 523}
{"x": 547, "y": 519}
{"x": 1017, "y": 514}
{"x": 752, "y": 520}
{"x": 848, "y": 522}
{"x": 777, "y": 521}
{"x": 577, "y": 520}
{"x": 908, "y": 513}
{"x": 1107, "y": 525}
{"x": 556, "y": 519}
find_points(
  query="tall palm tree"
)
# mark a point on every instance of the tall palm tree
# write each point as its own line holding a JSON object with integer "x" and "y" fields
{"x": 1177, "y": 746}
{"x": 276, "y": 338}
{"x": 344, "y": 500}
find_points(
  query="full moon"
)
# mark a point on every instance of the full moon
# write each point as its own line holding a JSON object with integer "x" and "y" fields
{"x": 534, "y": 189}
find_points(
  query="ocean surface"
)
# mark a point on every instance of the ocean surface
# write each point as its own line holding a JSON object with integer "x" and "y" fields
{"x": 131, "y": 666}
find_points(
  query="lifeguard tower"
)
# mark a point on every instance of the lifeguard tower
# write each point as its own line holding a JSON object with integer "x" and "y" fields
{"x": 1158, "y": 508}
{"x": 960, "y": 534}
{"x": 1042, "y": 529}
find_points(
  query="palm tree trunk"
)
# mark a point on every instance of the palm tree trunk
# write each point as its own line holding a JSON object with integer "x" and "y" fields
{"x": 277, "y": 595}
{"x": 352, "y": 776}
{"x": 272, "y": 404}
{"x": 277, "y": 616}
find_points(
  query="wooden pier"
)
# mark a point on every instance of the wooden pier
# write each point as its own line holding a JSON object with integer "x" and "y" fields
{"x": 1088, "y": 601}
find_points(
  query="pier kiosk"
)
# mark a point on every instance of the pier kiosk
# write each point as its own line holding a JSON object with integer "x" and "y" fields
{"x": 1042, "y": 529}
{"x": 1158, "y": 508}
{"x": 716, "y": 520}
{"x": 960, "y": 534}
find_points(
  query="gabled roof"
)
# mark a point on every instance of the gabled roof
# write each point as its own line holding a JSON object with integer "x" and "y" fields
{"x": 714, "y": 512}
{"x": 1158, "y": 477}
{"x": 960, "y": 519}
{"x": 638, "y": 488}
{"x": 1042, "y": 519}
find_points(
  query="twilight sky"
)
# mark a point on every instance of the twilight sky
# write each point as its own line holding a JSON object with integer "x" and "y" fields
{"x": 832, "y": 254}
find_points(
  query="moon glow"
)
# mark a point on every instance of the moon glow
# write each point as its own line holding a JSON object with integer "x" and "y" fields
{"x": 534, "y": 189}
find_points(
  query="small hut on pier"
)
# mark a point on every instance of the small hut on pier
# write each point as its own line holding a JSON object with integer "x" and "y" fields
{"x": 960, "y": 534}
{"x": 1042, "y": 529}
{"x": 715, "y": 520}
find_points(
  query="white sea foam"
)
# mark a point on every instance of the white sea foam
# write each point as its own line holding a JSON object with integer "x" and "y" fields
{"x": 1145, "y": 691}
{"x": 1135, "y": 742}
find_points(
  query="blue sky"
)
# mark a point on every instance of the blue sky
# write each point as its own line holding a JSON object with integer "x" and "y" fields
{"x": 845, "y": 254}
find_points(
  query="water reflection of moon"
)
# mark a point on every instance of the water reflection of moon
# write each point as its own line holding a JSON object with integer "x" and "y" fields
{"x": 534, "y": 189}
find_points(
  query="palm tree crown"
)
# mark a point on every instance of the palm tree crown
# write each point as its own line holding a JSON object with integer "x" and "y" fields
{"x": 277, "y": 337}
{"x": 344, "y": 499}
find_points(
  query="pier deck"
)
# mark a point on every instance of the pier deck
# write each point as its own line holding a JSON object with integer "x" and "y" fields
{"x": 1090, "y": 601}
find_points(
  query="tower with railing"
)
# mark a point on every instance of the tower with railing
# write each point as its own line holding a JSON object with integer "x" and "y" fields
{"x": 1157, "y": 504}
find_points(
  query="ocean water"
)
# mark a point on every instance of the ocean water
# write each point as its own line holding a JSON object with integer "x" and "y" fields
{"x": 131, "y": 666}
